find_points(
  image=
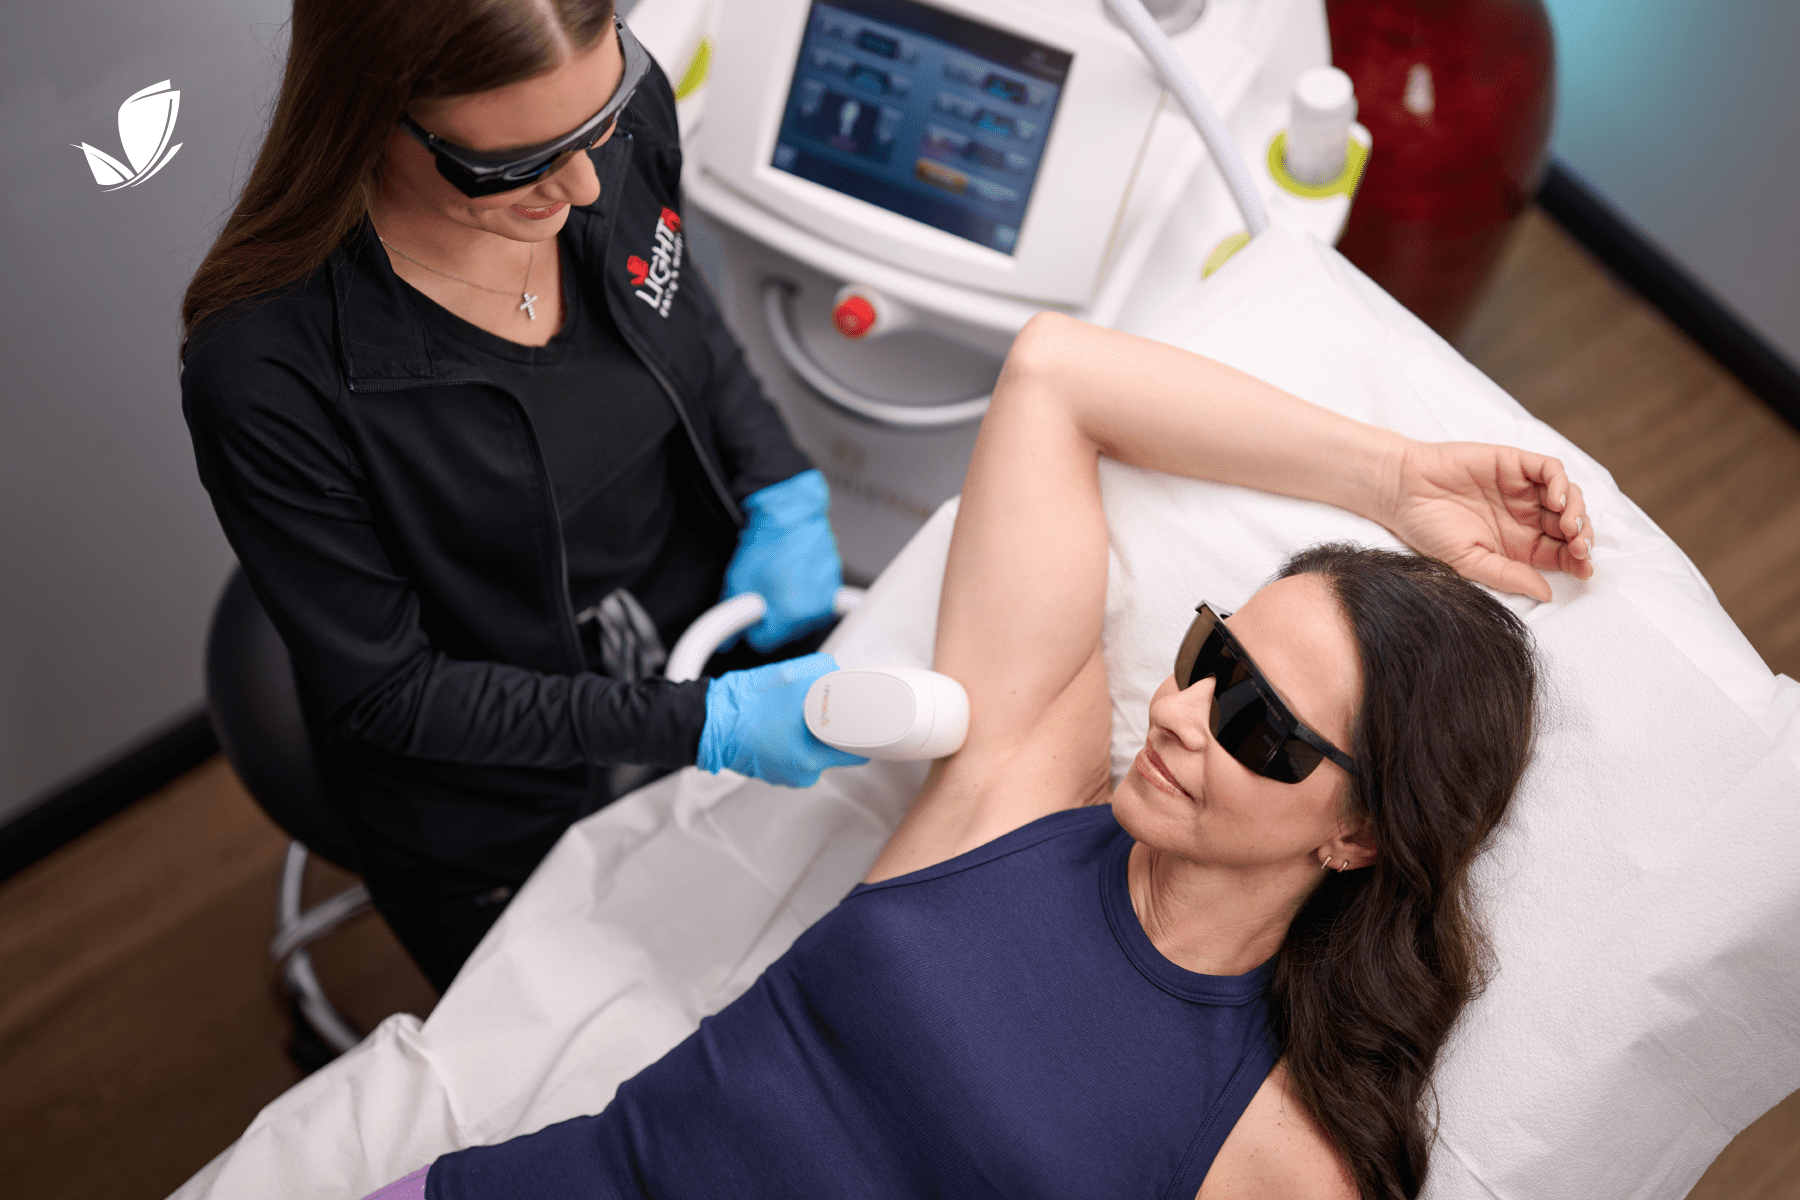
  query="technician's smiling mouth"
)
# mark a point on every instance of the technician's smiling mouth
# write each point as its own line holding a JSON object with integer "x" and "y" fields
{"x": 1150, "y": 765}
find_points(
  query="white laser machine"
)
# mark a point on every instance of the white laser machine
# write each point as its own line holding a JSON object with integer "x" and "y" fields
{"x": 890, "y": 189}
{"x": 895, "y": 714}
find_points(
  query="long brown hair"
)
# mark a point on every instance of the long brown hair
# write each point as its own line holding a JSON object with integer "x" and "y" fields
{"x": 353, "y": 67}
{"x": 1380, "y": 961}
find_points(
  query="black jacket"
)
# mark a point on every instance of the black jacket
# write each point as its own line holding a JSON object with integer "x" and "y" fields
{"x": 393, "y": 512}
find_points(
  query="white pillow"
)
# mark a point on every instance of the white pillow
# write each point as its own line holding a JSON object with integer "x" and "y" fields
{"x": 1645, "y": 895}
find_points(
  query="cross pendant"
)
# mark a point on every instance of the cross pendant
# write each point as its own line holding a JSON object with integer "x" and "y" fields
{"x": 527, "y": 305}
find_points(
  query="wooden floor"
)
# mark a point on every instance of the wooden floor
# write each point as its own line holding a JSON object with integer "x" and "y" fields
{"x": 140, "y": 1026}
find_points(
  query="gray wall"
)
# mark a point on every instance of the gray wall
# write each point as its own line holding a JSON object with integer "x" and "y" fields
{"x": 1684, "y": 114}
{"x": 110, "y": 557}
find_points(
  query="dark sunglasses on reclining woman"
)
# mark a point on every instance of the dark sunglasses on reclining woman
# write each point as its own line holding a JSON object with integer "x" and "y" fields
{"x": 485, "y": 173}
{"x": 1249, "y": 720}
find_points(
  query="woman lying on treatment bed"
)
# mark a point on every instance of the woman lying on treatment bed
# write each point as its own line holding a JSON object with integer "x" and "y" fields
{"x": 1235, "y": 977}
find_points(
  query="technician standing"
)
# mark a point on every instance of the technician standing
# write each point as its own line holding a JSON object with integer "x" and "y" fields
{"x": 483, "y": 446}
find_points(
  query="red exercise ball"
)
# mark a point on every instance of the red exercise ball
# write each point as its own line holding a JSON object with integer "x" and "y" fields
{"x": 1459, "y": 97}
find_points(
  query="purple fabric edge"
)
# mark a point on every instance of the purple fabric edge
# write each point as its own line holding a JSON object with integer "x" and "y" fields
{"x": 412, "y": 1187}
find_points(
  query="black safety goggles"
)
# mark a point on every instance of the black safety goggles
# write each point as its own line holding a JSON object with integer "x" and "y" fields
{"x": 1249, "y": 720}
{"x": 485, "y": 173}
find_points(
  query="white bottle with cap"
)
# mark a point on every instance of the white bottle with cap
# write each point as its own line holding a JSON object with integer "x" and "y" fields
{"x": 894, "y": 714}
{"x": 1318, "y": 135}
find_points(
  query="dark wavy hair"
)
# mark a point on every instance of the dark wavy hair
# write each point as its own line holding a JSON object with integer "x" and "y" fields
{"x": 353, "y": 66}
{"x": 1379, "y": 962}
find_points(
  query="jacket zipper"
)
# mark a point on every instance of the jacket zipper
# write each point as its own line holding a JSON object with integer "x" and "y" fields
{"x": 571, "y": 626}
{"x": 731, "y": 507}
{"x": 712, "y": 477}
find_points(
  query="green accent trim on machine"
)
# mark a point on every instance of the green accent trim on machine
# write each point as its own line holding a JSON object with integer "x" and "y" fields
{"x": 1222, "y": 253}
{"x": 1356, "y": 156}
{"x": 698, "y": 69}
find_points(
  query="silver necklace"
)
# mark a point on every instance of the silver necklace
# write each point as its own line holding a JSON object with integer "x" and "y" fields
{"x": 529, "y": 299}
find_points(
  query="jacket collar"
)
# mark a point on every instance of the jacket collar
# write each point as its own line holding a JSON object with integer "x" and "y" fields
{"x": 386, "y": 346}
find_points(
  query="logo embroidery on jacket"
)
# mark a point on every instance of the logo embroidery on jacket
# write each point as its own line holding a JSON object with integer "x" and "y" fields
{"x": 658, "y": 280}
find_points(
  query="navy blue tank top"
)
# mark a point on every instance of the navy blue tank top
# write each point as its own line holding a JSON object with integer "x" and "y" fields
{"x": 996, "y": 1025}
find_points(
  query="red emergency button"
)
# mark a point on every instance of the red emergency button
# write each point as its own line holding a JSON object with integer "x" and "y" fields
{"x": 853, "y": 317}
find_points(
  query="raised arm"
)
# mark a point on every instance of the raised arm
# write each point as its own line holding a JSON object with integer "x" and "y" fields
{"x": 1025, "y": 586}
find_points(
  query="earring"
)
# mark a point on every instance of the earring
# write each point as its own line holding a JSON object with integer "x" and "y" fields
{"x": 1327, "y": 863}
{"x": 1342, "y": 867}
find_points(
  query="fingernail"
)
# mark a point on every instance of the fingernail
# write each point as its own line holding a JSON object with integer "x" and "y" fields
{"x": 1562, "y": 500}
{"x": 1590, "y": 546}
{"x": 1578, "y": 521}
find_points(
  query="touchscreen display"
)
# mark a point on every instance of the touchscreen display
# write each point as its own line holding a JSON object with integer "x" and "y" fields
{"x": 925, "y": 113}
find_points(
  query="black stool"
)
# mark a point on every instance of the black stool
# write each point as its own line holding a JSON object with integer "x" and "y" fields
{"x": 255, "y": 708}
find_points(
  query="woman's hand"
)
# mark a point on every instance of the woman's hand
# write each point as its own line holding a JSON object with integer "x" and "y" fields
{"x": 1498, "y": 514}
{"x": 755, "y": 724}
{"x": 787, "y": 555}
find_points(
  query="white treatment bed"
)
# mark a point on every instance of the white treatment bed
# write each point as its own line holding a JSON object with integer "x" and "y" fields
{"x": 1644, "y": 898}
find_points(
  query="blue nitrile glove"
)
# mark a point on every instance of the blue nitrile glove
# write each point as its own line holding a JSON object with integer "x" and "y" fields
{"x": 754, "y": 724}
{"x": 787, "y": 554}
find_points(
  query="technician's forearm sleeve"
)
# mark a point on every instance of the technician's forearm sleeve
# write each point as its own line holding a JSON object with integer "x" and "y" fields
{"x": 291, "y": 502}
{"x": 447, "y": 710}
